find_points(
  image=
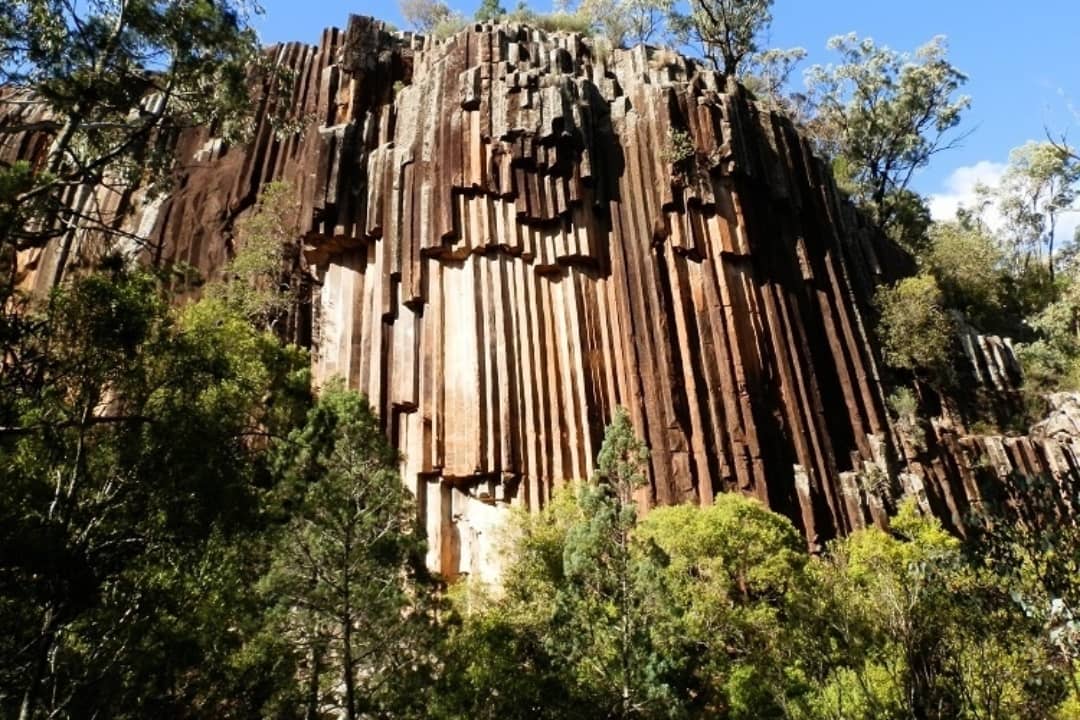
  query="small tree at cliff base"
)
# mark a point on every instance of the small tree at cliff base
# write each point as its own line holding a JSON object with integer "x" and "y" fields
{"x": 348, "y": 565}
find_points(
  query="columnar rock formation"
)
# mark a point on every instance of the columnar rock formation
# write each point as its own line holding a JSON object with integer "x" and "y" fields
{"x": 510, "y": 234}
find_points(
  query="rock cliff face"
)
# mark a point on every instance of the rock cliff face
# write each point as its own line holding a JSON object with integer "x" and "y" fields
{"x": 508, "y": 235}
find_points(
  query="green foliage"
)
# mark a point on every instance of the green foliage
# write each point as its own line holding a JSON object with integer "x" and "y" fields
{"x": 129, "y": 457}
{"x": 1039, "y": 184}
{"x": 1052, "y": 359}
{"x": 727, "y": 31}
{"x": 887, "y": 113}
{"x": 719, "y": 612}
{"x": 424, "y": 15}
{"x": 905, "y": 408}
{"x": 93, "y": 65}
{"x": 967, "y": 266}
{"x": 16, "y": 212}
{"x": 585, "y": 604}
{"x": 559, "y": 21}
{"x": 449, "y": 26}
{"x": 489, "y": 11}
{"x": 914, "y": 330}
{"x": 678, "y": 148}
{"x": 260, "y": 283}
{"x": 347, "y": 567}
{"x": 907, "y": 218}
{"x": 611, "y": 606}
{"x": 737, "y": 577}
{"x": 1037, "y": 556}
{"x": 919, "y": 632}
{"x": 903, "y": 403}
{"x": 623, "y": 22}
{"x": 765, "y": 74}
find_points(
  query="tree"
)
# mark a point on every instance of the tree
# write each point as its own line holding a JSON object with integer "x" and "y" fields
{"x": 968, "y": 267}
{"x": 883, "y": 114}
{"x": 129, "y": 450}
{"x": 914, "y": 330}
{"x": 627, "y": 21}
{"x": 726, "y": 30}
{"x": 609, "y": 606}
{"x": 921, "y": 632}
{"x": 261, "y": 281}
{"x": 738, "y": 577}
{"x": 1051, "y": 359}
{"x": 424, "y": 15}
{"x": 115, "y": 79}
{"x": 1040, "y": 182}
{"x": 1030, "y": 543}
{"x": 766, "y": 74}
{"x": 583, "y": 605}
{"x": 489, "y": 11}
{"x": 349, "y": 566}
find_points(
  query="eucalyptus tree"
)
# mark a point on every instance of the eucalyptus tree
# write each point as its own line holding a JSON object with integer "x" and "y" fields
{"x": 726, "y": 31}
{"x": 108, "y": 82}
{"x": 882, "y": 114}
{"x": 1040, "y": 183}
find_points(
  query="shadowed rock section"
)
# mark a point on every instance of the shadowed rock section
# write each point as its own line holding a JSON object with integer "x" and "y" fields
{"x": 509, "y": 235}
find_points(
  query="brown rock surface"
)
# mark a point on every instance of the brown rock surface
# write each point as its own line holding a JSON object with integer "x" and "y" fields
{"x": 504, "y": 249}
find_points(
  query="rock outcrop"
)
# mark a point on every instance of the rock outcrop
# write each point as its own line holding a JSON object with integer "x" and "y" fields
{"x": 509, "y": 234}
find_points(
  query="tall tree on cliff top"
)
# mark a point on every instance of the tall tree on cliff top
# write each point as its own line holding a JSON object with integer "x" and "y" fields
{"x": 882, "y": 115}
{"x": 490, "y": 11}
{"x": 114, "y": 77}
{"x": 728, "y": 31}
{"x": 425, "y": 15}
{"x": 1040, "y": 183}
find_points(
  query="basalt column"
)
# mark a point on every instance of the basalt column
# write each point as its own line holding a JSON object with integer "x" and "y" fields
{"x": 508, "y": 235}
{"x": 522, "y": 236}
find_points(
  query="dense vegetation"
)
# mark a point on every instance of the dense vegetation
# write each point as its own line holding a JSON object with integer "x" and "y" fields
{"x": 187, "y": 530}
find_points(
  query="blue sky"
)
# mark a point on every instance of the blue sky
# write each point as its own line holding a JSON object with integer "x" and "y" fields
{"x": 1023, "y": 60}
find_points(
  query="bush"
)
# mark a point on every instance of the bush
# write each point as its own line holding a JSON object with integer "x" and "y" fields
{"x": 574, "y": 22}
{"x": 1052, "y": 361}
{"x": 449, "y": 26}
{"x": 966, "y": 263}
{"x": 678, "y": 147}
{"x": 424, "y": 15}
{"x": 914, "y": 330}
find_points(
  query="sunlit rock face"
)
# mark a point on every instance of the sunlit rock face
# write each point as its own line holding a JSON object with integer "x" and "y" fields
{"x": 506, "y": 235}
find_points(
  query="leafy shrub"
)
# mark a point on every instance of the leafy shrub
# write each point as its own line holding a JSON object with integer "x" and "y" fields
{"x": 678, "y": 148}
{"x": 449, "y": 26}
{"x": 574, "y": 22}
{"x": 914, "y": 330}
{"x": 966, "y": 262}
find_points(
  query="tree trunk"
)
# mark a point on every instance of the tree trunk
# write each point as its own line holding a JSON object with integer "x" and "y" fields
{"x": 53, "y": 164}
{"x": 44, "y": 647}
{"x": 1050, "y": 245}
{"x": 312, "y": 710}
{"x": 347, "y": 669}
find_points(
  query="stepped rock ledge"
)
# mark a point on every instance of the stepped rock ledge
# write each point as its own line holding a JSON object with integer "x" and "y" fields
{"x": 508, "y": 234}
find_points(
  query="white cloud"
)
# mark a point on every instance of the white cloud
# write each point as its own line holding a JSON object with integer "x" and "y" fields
{"x": 1067, "y": 226}
{"x": 960, "y": 190}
